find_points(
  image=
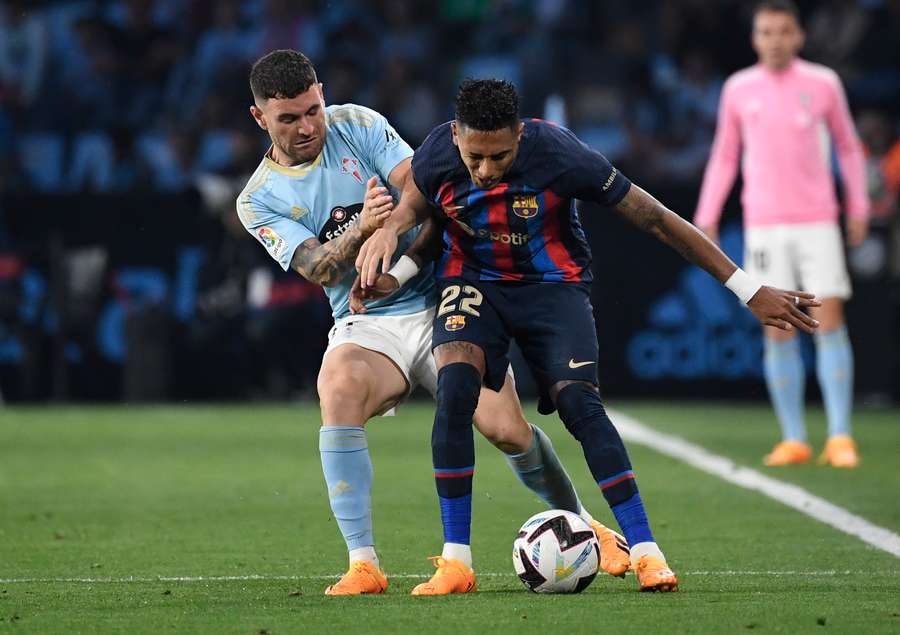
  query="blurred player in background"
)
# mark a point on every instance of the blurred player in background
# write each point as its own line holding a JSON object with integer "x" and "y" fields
{"x": 516, "y": 265}
{"x": 774, "y": 118}
{"x": 311, "y": 203}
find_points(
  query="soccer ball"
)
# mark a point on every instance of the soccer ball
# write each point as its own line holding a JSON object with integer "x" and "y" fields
{"x": 556, "y": 552}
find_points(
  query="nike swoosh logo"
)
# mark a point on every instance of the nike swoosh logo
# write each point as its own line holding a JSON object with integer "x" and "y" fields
{"x": 453, "y": 207}
{"x": 574, "y": 364}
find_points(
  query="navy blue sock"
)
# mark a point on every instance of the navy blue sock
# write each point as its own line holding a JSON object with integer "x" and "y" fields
{"x": 583, "y": 414}
{"x": 632, "y": 518}
{"x": 453, "y": 447}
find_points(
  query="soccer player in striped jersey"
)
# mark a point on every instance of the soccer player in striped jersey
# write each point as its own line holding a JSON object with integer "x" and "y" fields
{"x": 311, "y": 203}
{"x": 782, "y": 115}
{"x": 515, "y": 266}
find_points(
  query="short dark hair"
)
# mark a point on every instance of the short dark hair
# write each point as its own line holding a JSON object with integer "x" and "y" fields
{"x": 778, "y": 6}
{"x": 487, "y": 104}
{"x": 281, "y": 74}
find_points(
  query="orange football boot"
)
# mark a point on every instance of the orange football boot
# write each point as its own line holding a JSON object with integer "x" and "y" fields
{"x": 655, "y": 575}
{"x": 363, "y": 577}
{"x": 452, "y": 576}
{"x": 840, "y": 451}
{"x": 615, "y": 558}
{"x": 788, "y": 453}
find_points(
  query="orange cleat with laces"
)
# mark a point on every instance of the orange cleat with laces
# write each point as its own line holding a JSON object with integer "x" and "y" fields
{"x": 788, "y": 453}
{"x": 452, "y": 576}
{"x": 655, "y": 575}
{"x": 840, "y": 451}
{"x": 615, "y": 558}
{"x": 362, "y": 578}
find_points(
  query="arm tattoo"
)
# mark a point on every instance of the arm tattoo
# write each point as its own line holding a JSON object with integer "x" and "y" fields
{"x": 327, "y": 264}
{"x": 653, "y": 217}
{"x": 641, "y": 209}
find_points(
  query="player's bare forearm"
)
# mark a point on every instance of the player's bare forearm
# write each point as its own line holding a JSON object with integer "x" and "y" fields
{"x": 641, "y": 209}
{"x": 412, "y": 209}
{"x": 428, "y": 244}
{"x": 327, "y": 264}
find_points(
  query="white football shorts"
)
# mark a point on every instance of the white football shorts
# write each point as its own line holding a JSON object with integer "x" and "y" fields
{"x": 803, "y": 256}
{"x": 404, "y": 339}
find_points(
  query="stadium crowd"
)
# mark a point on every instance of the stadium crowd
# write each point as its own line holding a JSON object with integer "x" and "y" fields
{"x": 125, "y": 94}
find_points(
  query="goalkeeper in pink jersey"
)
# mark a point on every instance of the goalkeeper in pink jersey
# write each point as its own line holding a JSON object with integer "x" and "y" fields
{"x": 778, "y": 119}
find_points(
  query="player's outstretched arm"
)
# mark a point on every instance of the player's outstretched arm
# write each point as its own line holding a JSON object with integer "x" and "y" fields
{"x": 425, "y": 248}
{"x": 772, "y": 307}
{"x": 411, "y": 210}
{"x": 326, "y": 264}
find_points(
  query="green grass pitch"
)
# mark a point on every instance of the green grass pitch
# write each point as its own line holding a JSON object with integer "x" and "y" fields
{"x": 216, "y": 520}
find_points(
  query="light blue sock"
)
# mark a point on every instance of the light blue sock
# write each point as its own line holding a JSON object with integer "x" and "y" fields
{"x": 348, "y": 475}
{"x": 834, "y": 367}
{"x": 541, "y": 472}
{"x": 786, "y": 379}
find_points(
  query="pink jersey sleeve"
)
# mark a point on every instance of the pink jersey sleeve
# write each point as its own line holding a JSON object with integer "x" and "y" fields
{"x": 723, "y": 162}
{"x": 850, "y": 153}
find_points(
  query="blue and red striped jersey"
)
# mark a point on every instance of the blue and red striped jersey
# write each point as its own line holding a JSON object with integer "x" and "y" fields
{"x": 526, "y": 228}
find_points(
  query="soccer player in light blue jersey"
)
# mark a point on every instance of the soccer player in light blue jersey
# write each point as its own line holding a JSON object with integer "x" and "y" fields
{"x": 312, "y": 203}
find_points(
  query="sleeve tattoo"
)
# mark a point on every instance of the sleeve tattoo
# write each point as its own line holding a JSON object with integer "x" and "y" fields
{"x": 327, "y": 264}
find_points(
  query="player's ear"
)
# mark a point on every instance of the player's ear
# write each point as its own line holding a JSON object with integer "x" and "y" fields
{"x": 257, "y": 114}
{"x": 454, "y": 131}
{"x": 521, "y": 130}
{"x": 321, "y": 87}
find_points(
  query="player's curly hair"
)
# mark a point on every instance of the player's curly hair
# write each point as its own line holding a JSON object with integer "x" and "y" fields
{"x": 281, "y": 74}
{"x": 487, "y": 104}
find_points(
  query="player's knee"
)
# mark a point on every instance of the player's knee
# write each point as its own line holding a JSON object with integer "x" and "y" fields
{"x": 579, "y": 404}
{"x": 345, "y": 384}
{"x": 458, "y": 386}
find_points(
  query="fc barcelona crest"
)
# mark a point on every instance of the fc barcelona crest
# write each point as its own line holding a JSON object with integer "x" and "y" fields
{"x": 455, "y": 323}
{"x": 525, "y": 205}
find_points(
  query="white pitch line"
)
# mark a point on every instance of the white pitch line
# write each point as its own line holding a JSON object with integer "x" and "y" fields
{"x": 414, "y": 576}
{"x": 786, "y": 493}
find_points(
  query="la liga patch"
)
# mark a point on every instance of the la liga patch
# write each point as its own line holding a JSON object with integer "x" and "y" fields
{"x": 271, "y": 241}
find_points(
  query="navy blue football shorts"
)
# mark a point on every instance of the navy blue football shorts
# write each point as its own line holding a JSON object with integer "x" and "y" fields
{"x": 552, "y": 323}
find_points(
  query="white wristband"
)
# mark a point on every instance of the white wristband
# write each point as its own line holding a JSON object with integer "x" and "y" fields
{"x": 404, "y": 269}
{"x": 742, "y": 285}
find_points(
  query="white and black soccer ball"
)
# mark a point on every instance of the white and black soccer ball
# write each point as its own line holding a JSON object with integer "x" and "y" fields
{"x": 556, "y": 552}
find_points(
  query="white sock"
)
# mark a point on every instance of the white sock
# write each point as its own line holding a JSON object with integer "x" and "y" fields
{"x": 642, "y": 549}
{"x": 365, "y": 553}
{"x": 456, "y": 551}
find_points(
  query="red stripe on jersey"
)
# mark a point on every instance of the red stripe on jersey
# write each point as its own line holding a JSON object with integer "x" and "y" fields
{"x": 556, "y": 249}
{"x": 454, "y": 264}
{"x": 498, "y": 224}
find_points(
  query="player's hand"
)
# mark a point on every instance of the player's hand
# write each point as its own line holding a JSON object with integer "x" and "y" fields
{"x": 711, "y": 231}
{"x": 385, "y": 285}
{"x": 857, "y": 230}
{"x": 783, "y": 309}
{"x": 378, "y": 249}
{"x": 377, "y": 207}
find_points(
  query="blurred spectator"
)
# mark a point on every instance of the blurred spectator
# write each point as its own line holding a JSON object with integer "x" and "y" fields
{"x": 882, "y": 162}
{"x": 23, "y": 54}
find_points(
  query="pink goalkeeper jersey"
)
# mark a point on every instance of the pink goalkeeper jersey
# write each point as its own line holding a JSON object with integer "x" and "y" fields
{"x": 777, "y": 124}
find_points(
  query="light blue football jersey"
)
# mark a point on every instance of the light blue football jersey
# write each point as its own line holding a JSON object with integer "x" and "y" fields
{"x": 283, "y": 207}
